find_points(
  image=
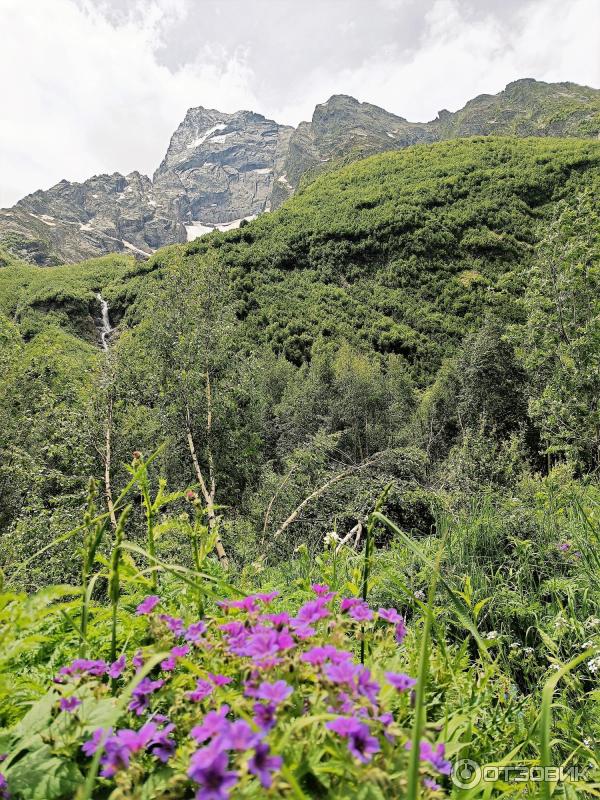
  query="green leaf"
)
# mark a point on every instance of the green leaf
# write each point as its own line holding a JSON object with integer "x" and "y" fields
{"x": 41, "y": 776}
{"x": 37, "y": 718}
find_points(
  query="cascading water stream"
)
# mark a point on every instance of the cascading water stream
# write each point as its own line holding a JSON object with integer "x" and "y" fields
{"x": 106, "y": 327}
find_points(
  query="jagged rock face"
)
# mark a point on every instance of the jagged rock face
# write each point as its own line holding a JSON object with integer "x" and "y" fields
{"x": 219, "y": 167}
{"x": 340, "y": 127}
{"x": 222, "y": 168}
{"x": 71, "y": 221}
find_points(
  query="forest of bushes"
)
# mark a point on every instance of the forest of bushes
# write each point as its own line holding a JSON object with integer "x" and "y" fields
{"x": 390, "y": 386}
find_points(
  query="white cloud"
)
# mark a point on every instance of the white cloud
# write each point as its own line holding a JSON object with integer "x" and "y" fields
{"x": 460, "y": 56}
{"x": 86, "y": 89}
{"x": 81, "y": 95}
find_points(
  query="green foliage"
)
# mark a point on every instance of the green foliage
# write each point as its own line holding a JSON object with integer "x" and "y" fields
{"x": 560, "y": 342}
{"x": 420, "y": 326}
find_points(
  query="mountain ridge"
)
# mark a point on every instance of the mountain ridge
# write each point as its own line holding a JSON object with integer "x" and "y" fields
{"x": 221, "y": 168}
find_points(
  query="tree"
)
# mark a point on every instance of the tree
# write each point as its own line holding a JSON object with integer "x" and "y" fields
{"x": 192, "y": 354}
{"x": 560, "y": 342}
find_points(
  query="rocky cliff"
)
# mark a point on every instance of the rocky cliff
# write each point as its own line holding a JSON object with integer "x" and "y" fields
{"x": 222, "y": 168}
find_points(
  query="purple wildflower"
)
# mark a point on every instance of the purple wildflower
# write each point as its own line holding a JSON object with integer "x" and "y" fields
{"x": 249, "y": 604}
{"x": 116, "y": 668}
{"x": 174, "y": 624}
{"x": 268, "y": 597}
{"x": 215, "y": 722}
{"x": 119, "y": 748}
{"x": 400, "y": 681}
{"x": 219, "y": 680}
{"x": 400, "y": 631}
{"x": 285, "y": 640}
{"x": 361, "y": 744}
{"x": 564, "y": 547}
{"x": 141, "y": 695}
{"x": 4, "y": 794}
{"x": 386, "y": 720}
{"x": 390, "y": 615}
{"x": 275, "y": 693}
{"x": 365, "y": 685}
{"x": 304, "y": 631}
{"x": 162, "y": 746}
{"x": 234, "y": 628}
{"x": 262, "y": 765}
{"x": 316, "y": 655}
{"x": 194, "y": 632}
{"x": 349, "y": 602}
{"x": 435, "y": 757}
{"x": 430, "y": 784}
{"x": 69, "y": 704}
{"x": 277, "y": 620}
{"x": 345, "y": 704}
{"x": 262, "y": 646}
{"x": 344, "y": 672}
{"x": 212, "y": 776}
{"x": 310, "y": 613}
{"x": 90, "y": 747}
{"x": 264, "y": 716}
{"x": 240, "y": 736}
{"x": 201, "y": 692}
{"x": 147, "y": 605}
{"x": 176, "y": 652}
{"x": 85, "y": 666}
{"x": 343, "y": 726}
{"x": 361, "y": 612}
{"x": 138, "y": 660}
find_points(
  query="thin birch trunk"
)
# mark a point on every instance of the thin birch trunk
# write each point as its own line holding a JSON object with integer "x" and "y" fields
{"x": 209, "y": 496}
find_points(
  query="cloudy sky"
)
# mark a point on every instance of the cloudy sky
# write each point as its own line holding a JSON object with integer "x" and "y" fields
{"x": 92, "y": 86}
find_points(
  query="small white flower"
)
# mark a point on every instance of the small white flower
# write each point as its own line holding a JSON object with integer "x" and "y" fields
{"x": 420, "y": 594}
{"x": 528, "y": 650}
{"x": 586, "y": 645}
{"x": 592, "y": 622}
{"x": 515, "y": 645}
{"x": 555, "y": 666}
{"x": 594, "y": 664}
{"x": 491, "y": 635}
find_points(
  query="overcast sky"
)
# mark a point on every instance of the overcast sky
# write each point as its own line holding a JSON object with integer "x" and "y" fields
{"x": 91, "y": 86}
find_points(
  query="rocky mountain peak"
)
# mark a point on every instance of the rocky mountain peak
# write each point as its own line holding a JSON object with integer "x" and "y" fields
{"x": 220, "y": 168}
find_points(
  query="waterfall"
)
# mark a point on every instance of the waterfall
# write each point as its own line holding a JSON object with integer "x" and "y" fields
{"x": 105, "y": 327}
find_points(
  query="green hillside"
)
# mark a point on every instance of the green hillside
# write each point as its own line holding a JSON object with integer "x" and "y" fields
{"x": 367, "y": 281}
{"x": 388, "y": 388}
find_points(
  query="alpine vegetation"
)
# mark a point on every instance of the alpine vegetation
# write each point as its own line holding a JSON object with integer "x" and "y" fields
{"x": 309, "y": 507}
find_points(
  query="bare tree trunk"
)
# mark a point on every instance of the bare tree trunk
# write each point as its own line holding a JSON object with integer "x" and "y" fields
{"x": 209, "y": 496}
{"x": 107, "y": 462}
{"x": 270, "y": 506}
{"x": 318, "y": 492}
{"x": 211, "y": 465}
{"x": 357, "y": 529}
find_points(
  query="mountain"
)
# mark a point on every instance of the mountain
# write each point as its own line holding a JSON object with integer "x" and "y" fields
{"x": 219, "y": 167}
{"x": 222, "y": 168}
{"x": 339, "y": 127}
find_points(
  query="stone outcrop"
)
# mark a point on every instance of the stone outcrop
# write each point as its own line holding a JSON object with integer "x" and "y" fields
{"x": 222, "y": 168}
